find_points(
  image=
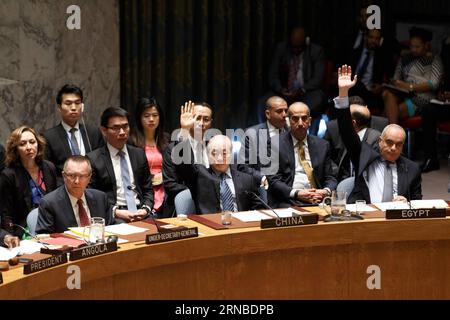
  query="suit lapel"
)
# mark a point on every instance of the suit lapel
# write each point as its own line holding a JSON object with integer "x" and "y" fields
{"x": 83, "y": 131}
{"x": 402, "y": 182}
{"x": 109, "y": 167}
{"x": 288, "y": 142}
{"x": 67, "y": 207}
{"x": 134, "y": 163}
{"x": 238, "y": 190}
{"x": 63, "y": 139}
{"x": 216, "y": 183}
{"x": 92, "y": 203}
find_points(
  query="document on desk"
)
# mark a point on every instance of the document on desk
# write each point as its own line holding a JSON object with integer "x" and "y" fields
{"x": 352, "y": 208}
{"x": 250, "y": 216}
{"x": 282, "y": 213}
{"x": 124, "y": 229}
{"x": 26, "y": 247}
{"x": 415, "y": 204}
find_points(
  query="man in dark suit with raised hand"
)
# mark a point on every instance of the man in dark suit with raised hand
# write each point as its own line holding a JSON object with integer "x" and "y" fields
{"x": 121, "y": 170}
{"x": 383, "y": 175}
{"x": 72, "y": 205}
{"x": 306, "y": 173}
{"x": 70, "y": 137}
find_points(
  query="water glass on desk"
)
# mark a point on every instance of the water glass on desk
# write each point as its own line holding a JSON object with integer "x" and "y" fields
{"x": 226, "y": 218}
{"x": 96, "y": 230}
{"x": 359, "y": 206}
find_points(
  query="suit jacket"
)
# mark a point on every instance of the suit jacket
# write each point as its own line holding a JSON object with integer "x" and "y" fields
{"x": 252, "y": 155}
{"x": 339, "y": 153}
{"x": 280, "y": 184}
{"x": 313, "y": 67}
{"x": 379, "y": 63}
{"x": 378, "y": 123}
{"x": 15, "y": 194}
{"x": 206, "y": 189}
{"x": 362, "y": 156}
{"x": 3, "y": 233}
{"x": 58, "y": 150}
{"x": 56, "y": 213}
{"x": 103, "y": 177}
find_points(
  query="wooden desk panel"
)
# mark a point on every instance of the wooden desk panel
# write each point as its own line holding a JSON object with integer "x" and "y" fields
{"x": 324, "y": 261}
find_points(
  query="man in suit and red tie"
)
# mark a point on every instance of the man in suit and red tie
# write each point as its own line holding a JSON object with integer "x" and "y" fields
{"x": 72, "y": 205}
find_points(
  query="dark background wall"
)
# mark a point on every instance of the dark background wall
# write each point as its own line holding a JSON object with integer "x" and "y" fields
{"x": 220, "y": 50}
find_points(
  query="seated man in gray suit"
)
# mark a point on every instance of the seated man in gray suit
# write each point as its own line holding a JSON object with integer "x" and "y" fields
{"x": 72, "y": 205}
{"x": 360, "y": 121}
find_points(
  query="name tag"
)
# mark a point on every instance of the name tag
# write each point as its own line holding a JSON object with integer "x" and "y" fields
{"x": 171, "y": 235}
{"x": 295, "y": 220}
{"x": 91, "y": 251}
{"x": 43, "y": 264}
{"x": 415, "y": 213}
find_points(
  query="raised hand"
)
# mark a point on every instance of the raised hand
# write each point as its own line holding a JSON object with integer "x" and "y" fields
{"x": 187, "y": 117}
{"x": 345, "y": 81}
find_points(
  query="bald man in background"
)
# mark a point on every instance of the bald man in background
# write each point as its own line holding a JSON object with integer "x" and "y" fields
{"x": 361, "y": 121}
{"x": 306, "y": 173}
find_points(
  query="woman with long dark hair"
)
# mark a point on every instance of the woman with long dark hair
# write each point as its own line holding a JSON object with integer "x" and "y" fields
{"x": 149, "y": 135}
{"x": 27, "y": 177}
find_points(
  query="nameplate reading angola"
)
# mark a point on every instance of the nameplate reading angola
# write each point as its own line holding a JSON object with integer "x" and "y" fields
{"x": 91, "y": 251}
{"x": 171, "y": 235}
{"x": 45, "y": 263}
{"x": 295, "y": 220}
{"x": 415, "y": 213}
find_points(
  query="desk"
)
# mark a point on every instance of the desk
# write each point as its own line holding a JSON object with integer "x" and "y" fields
{"x": 323, "y": 261}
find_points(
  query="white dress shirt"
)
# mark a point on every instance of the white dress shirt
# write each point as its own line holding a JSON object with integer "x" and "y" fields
{"x": 115, "y": 159}
{"x": 301, "y": 180}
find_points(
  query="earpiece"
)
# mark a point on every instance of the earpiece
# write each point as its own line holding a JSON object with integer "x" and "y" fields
{"x": 307, "y": 40}
{"x": 82, "y": 107}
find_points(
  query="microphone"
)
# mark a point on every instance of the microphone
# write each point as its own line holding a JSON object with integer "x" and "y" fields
{"x": 405, "y": 169}
{"x": 151, "y": 213}
{"x": 28, "y": 233}
{"x": 263, "y": 202}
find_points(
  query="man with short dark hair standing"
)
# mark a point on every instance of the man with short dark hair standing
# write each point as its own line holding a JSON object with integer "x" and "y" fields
{"x": 70, "y": 137}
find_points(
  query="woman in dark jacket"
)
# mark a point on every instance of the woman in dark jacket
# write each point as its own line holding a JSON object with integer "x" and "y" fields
{"x": 27, "y": 177}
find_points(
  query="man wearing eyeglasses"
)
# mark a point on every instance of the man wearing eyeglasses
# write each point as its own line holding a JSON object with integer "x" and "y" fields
{"x": 72, "y": 205}
{"x": 380, "y": 176}
{"x": 306, "y": 173}
{"x": 70, "y": 137}
{"x": 121, "y": 170}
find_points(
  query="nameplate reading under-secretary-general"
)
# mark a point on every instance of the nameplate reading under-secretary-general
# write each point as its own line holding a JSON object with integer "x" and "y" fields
{"x": 91, "y": 251}
{"x": 295, "y": 220}
{"x": 45, "y": 263}
{"x": 171, "y": 235}
{"x": 415, "y": 213}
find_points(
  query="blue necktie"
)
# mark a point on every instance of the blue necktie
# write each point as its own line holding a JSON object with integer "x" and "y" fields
{"x": 225, "y": 194}
{"x": 129, "y": 194}
{"x": 74, "y": 142}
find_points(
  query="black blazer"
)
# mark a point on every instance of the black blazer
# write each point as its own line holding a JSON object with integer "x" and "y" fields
{"x": 206, "y": 189}
{"x": 339, "y": 153}
{"x": 103, "y": 177}
{"x": 58, "y": 150}
{"x": 362, "y": 156}
{"x": 280, "y": 184}
{"x": 15, "y": 194}
{"x": 2, "y": 158}
{"x": 56, "y": 214}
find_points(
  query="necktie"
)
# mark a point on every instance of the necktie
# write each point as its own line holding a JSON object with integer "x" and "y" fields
{"x": 74, "y": 142}
{"x": 84, "y": 220}
{"x": 225, "y": 194}
{"x": 305, "y": 164}
{"x": 293, "y": 70}
{"x": 362, "y": 68}
{"x": 129, "y": 194}
{"x": 388, "y": 188}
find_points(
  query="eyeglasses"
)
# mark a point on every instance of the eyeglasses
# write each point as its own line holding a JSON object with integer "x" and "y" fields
{"x": 116, "y": 128}
{"x": 73, "y": 176}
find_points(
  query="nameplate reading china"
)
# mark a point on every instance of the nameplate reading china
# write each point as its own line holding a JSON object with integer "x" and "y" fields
{"x": 415, "y": 213}
{"x": 91, "y": 251}
{"x": 295, "y": 220}
{"x": 45, "y": 263}
{"x": 171, "y": 235}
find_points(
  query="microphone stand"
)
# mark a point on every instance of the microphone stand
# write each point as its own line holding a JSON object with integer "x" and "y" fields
{"x": 28, "y": 233}
{"x": 262, "y": 201}
{"x": 141, "y": 198}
